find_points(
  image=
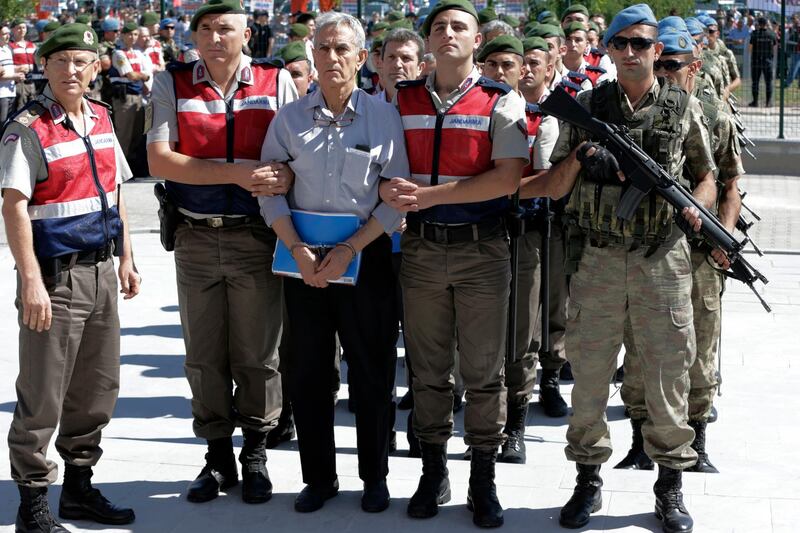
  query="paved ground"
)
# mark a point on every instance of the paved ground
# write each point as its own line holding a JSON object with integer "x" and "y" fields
{"x": 151, "y": 453}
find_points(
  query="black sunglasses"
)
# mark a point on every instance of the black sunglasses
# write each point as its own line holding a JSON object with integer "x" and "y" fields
{"x": 637, "y": 43}
{"x": 671, "y": 65}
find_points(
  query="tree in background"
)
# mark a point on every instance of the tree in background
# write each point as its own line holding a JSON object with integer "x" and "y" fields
{"x": 11, "y": 9}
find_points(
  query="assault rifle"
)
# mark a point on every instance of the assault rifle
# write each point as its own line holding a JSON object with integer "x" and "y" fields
{"x": 643, "y": 176}
{"x": 516, "y": 227}
{"x": 744, "y": 140}
{"x": 743, "y": 223}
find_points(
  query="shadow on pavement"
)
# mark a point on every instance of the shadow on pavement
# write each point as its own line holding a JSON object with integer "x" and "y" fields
{"x": 172, "y": 331}
{"x": 155, "y": 407}
{"x": 161, "y": 366}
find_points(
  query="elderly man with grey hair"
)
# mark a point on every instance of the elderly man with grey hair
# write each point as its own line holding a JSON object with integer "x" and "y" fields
{"x": 341, "y": 143}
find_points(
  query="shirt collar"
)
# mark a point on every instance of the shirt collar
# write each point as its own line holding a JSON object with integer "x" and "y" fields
{"x": 651, "y": 96}
{"x": 244, "y": 72}
{"x": 469, "y": 81}
{"x": 355, "y": 104}
{"x": 57, "y": 111}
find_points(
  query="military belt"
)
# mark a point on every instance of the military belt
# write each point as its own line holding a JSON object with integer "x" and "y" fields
{"x": 455, "y": 234}
{"x": 223, "y": 222}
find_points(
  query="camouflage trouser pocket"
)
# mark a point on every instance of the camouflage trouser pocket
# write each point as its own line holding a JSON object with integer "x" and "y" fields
{"x": 681, "y": 315}
{"x": 711, "y": 302}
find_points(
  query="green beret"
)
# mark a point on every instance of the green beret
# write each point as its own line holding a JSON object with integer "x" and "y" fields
{"x": 572, "y": 27}
{"x": 53, "y": 25}
{"x": 546, "y": 30}
{"x": 511, "y": 21}
{"x": 594, "y": 27}
{"x": 377, "y": 43}
{"x": 530, "y": 26}
{"x": 405, "y": 24}
{"x": 149, "y": 18}
{"x": 503, "y": 43}
{"x": 292, "y": 52}
{"x": 380, "y": 26}
{"x": 394, "y": 16}
{"x": 535, "y": 43}
{"x": 445, "y": 5}
{"x": 129, "y": 27}
{"x": 298, "y": 30}
{"x": 81, "y": 19}
{"x": 551, "y": 20}
{"x": 18, "y": 21}
{"x": 213, "y": 7}
{"x": 575, "y": 8}
{"x": 486, "y": 14}
{"x": 73, "y": 36}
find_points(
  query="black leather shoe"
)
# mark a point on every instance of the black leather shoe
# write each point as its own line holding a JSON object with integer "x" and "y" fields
{"x": 80, "y": 501}
{"x": 669, "y": 502}
{"x": 636, "y": 458}
{"x": 434, "y": 486}
{"x": 550, "y": 395}
{"x": 482, "y": 494}
{"x": 313, "y": 497}
{"x": 586, "y": 498}
{"x": 34, "y": 514}
{"x": 376, "y": 497}
{"x": 217, "y": 475}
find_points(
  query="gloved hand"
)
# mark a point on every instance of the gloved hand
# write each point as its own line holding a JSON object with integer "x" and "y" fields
{"x": 601, "y": 166}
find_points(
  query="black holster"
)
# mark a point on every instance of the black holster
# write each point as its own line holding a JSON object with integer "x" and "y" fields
{"x": 168, "y": 216}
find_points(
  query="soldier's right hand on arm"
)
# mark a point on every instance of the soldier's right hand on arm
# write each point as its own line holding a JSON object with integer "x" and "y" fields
{"x": 307, "y": 263}
{"x": 398, "y": 193}
{"x": 37, "y": 312}
{"x": 599, "y": 164}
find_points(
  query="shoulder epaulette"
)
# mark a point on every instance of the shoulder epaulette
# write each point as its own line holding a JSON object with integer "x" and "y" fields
{"x": 601, "y": 70}
{"x": 267, "y": 62}
{"x": 532, "y": 108}
{"x": 30, "y": 113}
{"x": 99, "y": 102}
{"x": 483, "y": 81}
{"x": 577, "y": 75}
{"x": 177, "y": 66}
{"x": 410, "y": 83}
{"x": 570, "y": 84}
{"x": 596, "y": 51}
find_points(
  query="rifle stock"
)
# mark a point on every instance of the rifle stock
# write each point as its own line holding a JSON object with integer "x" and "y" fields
{"x": 644, "y": 175}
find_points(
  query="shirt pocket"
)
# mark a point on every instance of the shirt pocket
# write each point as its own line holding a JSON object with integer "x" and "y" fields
{"x": 355, "y": 172}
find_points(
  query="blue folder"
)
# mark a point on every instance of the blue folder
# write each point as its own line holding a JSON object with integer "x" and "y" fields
{"x": 322, "y": 230}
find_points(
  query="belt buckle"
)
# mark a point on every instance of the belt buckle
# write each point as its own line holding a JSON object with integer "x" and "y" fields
{"x": 440, "y": 234}
{"x": 215, "y": 222}
{"x": 102, "y": 255}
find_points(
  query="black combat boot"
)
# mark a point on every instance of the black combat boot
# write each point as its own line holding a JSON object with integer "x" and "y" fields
{"x": 218, "y": 474}
{"x": 669, "y": 502}
{"x": 34, "y": 514}
{"x": 565, "y": 374}
{"x": 586, "y": 498}
{"x": 513, "y": 450}
{"x": 434, "y": 486}
{"x": 636, "y": 458}
{"x": 482, "y": 494}
{"x": 81, "y": 501}
{"x": 699, "y": 445}
{"x": 284, "y": 431}
{"x": 550, "y": 395}
{"x": 413, "y": 442}
{"x": 256, "y": 485}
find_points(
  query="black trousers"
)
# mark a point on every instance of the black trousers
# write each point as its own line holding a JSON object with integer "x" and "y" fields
{"x": 758, "y": 69}
{"x": 365, "y": 317}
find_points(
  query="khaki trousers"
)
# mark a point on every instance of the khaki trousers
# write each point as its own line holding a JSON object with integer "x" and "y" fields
{"x": 128, "y": 123}
{"x": 68, "y": 376}
{"x": 230, "y": 307}
{"x": 457, "y": 291}
{"x": 613, "y": 286}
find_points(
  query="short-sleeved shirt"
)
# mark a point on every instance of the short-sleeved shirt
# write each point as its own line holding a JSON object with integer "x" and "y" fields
{"x": 508, "y": 124}
{"x": 259, "y": 39}
{"x": 21, "y": 161}
{"x": 545, "y": 142}
{"x": 764, "y": 41}
{"x": 696, "y": 144}
{"x": 162, "y": 110}
{"x": 126, "y": 65}
{"x": 338, "y": 161}
{"x": 7, "y": 87}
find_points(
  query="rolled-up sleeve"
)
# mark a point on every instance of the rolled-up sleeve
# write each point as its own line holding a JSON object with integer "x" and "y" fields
{"x": 275, "y": 148}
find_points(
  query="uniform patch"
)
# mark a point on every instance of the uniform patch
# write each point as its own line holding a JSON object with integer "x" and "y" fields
{"x": 88, "y": 38}
{"x": 201, "y": 72}
{"x": 246, "y": 75}
{"x": 10, "y": 138}
{"x": 56, "y": 111}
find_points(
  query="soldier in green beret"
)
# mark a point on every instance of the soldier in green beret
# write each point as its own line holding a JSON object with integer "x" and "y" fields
{"x": 297, "y": 63}
{"x": 49, "y": 28}
{"x": 485, "y": 15}
{"x": 60, "y": 155}
{"x": 575, "y": 13}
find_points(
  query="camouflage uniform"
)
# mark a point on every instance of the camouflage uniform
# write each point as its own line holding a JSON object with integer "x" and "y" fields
{"x": 713, "y": 72}
{"x": 707, "y": 285}
{"x": 101, "y": 89}
{"x": 639, "y": 272}
{"x": 727, "y": 57}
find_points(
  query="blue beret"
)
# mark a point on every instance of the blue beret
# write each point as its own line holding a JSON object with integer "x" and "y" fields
{"x": 630, "y": 16}
{"x": 166, "y": 22}
{"x": 707, "y": 20}
{"x": 671, "y": 24}
{"x": 543, "y": 15}
{"x": 676, "y": 42}
{"x": 110, "y": 25}
{"x": 695, "y": 26}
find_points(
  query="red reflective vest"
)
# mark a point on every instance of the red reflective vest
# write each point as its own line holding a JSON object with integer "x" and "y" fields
{"x": 452, "y": 146}
{"x": 74, "y": 209}
{"x": 594, "y": 56}
{"x": 24, "y": 53}
{"x": 594, "y": 73}
{"x": 534, "y": 116}
{"x": 209, "y": 129}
